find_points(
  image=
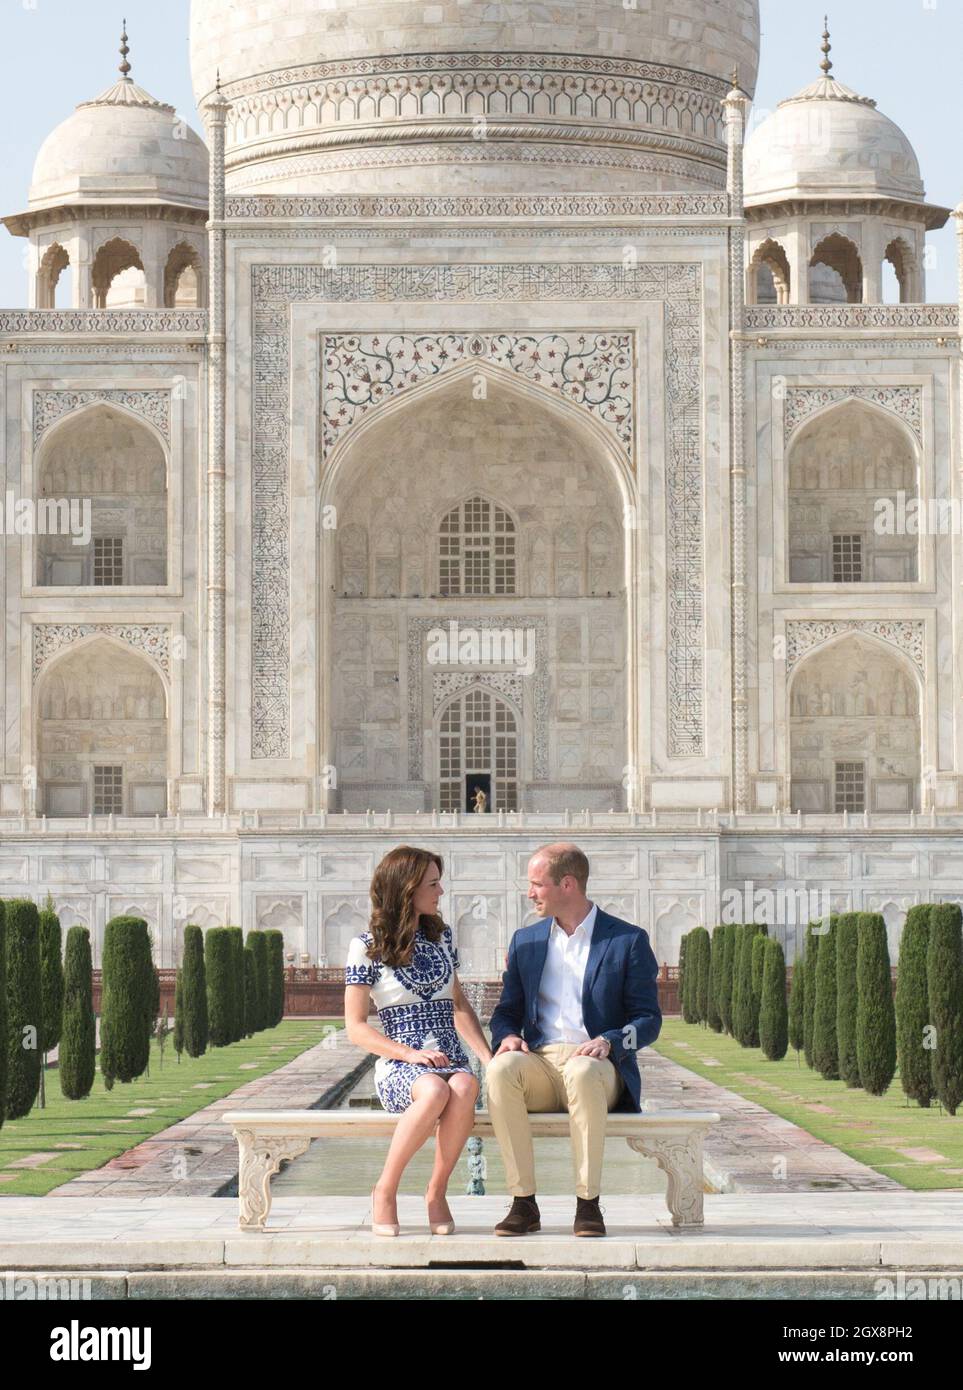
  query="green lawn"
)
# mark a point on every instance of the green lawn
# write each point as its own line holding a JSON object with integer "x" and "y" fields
{"x": 83, "y": 1134}
{"x": 876, "y": 1130}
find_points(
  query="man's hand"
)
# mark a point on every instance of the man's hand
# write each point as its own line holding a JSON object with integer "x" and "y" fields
{"x": 598, "y": 1047}
{"x": 512, "y": 1044}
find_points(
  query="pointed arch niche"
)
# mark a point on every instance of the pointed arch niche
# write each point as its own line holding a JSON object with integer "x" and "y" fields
{"x": 101, "y": 721}
{"x": 842, "y": 465}
{"x": 855, "y": 728}
{"x": 103, "y": 456}
{"x": 537, "y": 478}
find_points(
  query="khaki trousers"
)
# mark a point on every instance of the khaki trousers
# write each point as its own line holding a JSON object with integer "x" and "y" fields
{"x": 551, "y": 1079}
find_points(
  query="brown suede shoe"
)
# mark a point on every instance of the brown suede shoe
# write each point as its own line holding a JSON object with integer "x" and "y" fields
{"x": 523, "y": 1218}
{"x": 588, "y": 1218}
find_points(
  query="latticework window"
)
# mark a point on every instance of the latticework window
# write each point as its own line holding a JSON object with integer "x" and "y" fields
{"x": 847, "y": 559}
{"x": 850, "y": 787}
{"x": 477, "y": 550}
{"x": 108, "y": 560}
{"x": 108, "y": 790}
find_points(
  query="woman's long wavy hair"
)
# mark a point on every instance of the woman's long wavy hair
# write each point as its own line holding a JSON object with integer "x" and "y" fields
{"x": 394, "y": 922}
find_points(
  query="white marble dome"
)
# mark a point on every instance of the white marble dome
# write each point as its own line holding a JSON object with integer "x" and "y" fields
{"x": 470, "y": 95}
{"x": 828, "y": 142}
{"x": 124, "y": 146}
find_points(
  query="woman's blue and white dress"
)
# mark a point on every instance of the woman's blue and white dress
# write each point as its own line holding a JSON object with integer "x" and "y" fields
{"x": 416, "y": 1007}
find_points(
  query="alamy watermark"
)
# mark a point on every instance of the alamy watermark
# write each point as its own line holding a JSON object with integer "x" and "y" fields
{"x": 46, "y": 516}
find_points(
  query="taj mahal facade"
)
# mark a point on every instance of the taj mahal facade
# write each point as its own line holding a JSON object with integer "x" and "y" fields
{"x": 487, "y": 434}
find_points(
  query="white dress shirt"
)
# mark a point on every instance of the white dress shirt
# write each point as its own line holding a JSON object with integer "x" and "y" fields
{"x": 560, "y": 988}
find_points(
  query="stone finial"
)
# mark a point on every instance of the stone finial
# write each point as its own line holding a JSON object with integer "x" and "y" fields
{"x": 826, "y": 64}
{"x": 124, "y": 50}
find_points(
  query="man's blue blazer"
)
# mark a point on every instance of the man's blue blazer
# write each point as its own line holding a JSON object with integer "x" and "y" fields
{"x": 620, "y": 996}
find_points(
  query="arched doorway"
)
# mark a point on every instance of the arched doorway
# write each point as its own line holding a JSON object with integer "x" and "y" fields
{"x": 480, "y": 542}
{"x": 477, "y": 752}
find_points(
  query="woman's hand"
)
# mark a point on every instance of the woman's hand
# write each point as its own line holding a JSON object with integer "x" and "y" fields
{"x": 428, "y": 1059}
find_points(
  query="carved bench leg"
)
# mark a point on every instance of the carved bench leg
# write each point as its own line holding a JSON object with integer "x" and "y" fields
{"x": 679, "y": 1155}
{"x": 259, "y": 1158}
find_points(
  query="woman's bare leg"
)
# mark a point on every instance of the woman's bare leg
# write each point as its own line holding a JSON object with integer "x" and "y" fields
{"x": 429, "y": 1097}
{"x": 454, "y": 1127}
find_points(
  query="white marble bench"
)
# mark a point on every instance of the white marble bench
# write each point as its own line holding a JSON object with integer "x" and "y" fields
{"x": 265, "y": 1138}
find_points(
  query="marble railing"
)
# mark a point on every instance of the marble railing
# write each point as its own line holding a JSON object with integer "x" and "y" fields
{"x": 90, "y": 321}
{"x": 771, "y": 317}
{"x": 613, "y": 822}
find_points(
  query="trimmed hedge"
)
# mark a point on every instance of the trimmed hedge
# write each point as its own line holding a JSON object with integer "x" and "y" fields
{"x": 275, "y": 942}
{"x": 913, "y": 1008}
{"x": 810, "y": 960}
{"x": 218, "y": 967}
{"x": 825, "y": 1044}
{"x": 179, "y": 1012}
{"x": 757, "y": 956}
{"x": 847, "y": 997}
{"x": 78, "y": 1045}
{"x": 256, "y": 940}
{"x": 24, "y": 1007}
{"x": 126, "y": 1000}
{"x": 51, "y": 980}
{"x": 250, "y": 991}
{"x": 876, "y": 1016}
{"x": 773, "y": 1010}
{"x": 193, "y": 1007}
{"x": 726, "y": 976}
{"x": 3, "y": 1012}
{"x": 716, "y": 943}
{"x": 944, "y": 970}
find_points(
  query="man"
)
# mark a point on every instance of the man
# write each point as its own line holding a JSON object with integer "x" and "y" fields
{"x": 579, "y": 998}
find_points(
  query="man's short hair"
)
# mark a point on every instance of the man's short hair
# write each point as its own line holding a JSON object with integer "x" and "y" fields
{"x": 562, "y": 859}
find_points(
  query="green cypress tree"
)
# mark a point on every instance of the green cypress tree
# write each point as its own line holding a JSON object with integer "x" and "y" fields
{"x": 825, "y": 1046}
{"x": 913, "y": 1008}
{"x": 51, "y": 990}
{"x": 256, "y": 940}
{"x": 179, "y": 1011}
{"x": 773, "y": 1010}
{"x": 757, "y": 954}
{"x": 24, "y": 1008}
{"x": 51, "y": 979}
{"x": 809, "y": 990}
{"x": 218, "y": 958}
{"x": 739, "y": 931}
{"x": 876, "y": 1016}
{"x": 126, "y": 999}
{"x": 3, "y": 1012}
{"x": 847, "y": 996}
{"x": 250, "y": 991}
{"x": 683, "y": 996}
{"x": 194, "y": 1016}
{"x": 944, "y": 971}
{"x": 78, "y": 1046}
{"x": 797, "y": 1005}
{"x": 275, "y": 942}
{"x": 713, "y": 1017}
{"x": 237, "y": 935}
{"x": 725, "y": 977}
{"x": 696, "y": 967}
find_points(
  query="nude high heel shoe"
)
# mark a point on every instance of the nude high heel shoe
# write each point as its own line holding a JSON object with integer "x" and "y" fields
{"x": 442, "y": 1228}
{"x": 383, "y": 1228}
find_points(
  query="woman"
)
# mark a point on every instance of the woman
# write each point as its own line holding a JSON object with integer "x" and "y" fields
{"x": 407, "y": 963}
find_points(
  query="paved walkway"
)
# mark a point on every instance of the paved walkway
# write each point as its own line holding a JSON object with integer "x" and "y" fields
{"x": 794, "y": 1231}
{"x": 196, "y": 1157}
{"x": 752, "y": 1150}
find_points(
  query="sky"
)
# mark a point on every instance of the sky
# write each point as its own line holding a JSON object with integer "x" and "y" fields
{"x": 907, "y": 54}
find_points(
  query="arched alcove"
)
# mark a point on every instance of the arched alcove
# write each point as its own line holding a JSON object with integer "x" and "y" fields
{"x": 52, "y": 276}
{"x": 902, "y": 264}
{"x": 492, "y": 484}
{"x": 117, "y": 275}
{"x": 104, "y": 466}
{"x": 769, "y": 275}
{"x": 855, "y": 729}
{"x": 182, "y": 278}
{"x": 848, "y": 468}
{"x": 836, "y": 272}
{"x": 101, "y": 720}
